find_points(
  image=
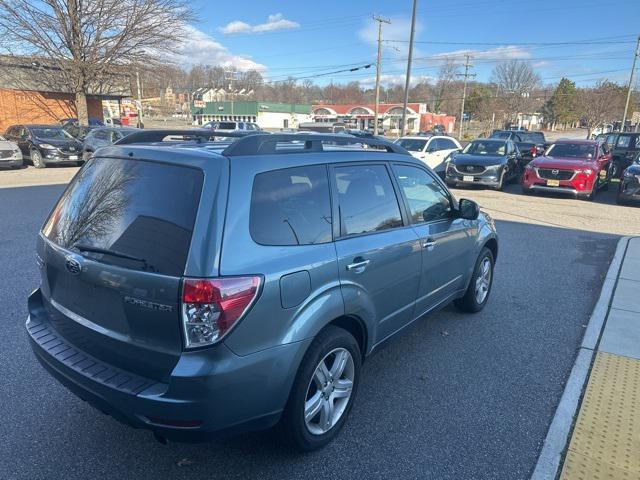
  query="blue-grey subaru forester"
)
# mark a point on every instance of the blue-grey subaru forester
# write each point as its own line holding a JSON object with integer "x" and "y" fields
{"x": 198, "y": 288}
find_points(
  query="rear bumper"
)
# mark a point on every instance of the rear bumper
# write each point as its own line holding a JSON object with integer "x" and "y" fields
{"x": 210, "y": 393}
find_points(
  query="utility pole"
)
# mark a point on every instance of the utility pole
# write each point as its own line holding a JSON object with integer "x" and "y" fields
{"x": 466, "y": 76}
{"x": 633, "y": 68}
{"x": 139, "y": 99}
{"x": 380, "y": 21}
{"x": 408, "y": 75}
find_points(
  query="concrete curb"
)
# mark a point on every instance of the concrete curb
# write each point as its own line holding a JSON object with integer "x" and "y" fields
{"x": 557, "y": 436}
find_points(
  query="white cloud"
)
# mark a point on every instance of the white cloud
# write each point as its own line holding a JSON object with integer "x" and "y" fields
{"x": 509, "y": 52}
{"x": 389, "y": 80}
{"x": 199, "y": 47}
{"x": 398, "y": 29}
{"x": 274, "y": 22}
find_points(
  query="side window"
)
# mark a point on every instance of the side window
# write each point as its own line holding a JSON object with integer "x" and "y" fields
{"x": 624, "y": 141}
{"x": 428, "y": 200}
{"x": 102, "y": 135}
{"x": 291, "y": 207}
{"x": 367, "y": 200}
{"x": 447, "y": 144}
{"x": 433, "y": 146}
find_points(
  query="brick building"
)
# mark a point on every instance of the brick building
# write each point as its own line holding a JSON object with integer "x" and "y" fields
{"x": 389, "y": 116}
{"x": 32, "y": 92}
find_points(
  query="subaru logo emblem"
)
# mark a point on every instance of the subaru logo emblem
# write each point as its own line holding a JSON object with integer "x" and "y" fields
{"x": 73, "y": 266}
{"x": 555, "y": 172}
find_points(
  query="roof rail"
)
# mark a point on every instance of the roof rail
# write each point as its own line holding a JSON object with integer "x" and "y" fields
{"x": 199, "y": 135}
{"x": 264, "y": 144}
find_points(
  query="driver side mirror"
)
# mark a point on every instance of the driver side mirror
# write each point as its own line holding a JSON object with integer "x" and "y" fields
{"x": 469, "y": 210}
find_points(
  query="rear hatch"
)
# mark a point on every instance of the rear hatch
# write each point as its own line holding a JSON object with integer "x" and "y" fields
{"x": 112, "y": 255}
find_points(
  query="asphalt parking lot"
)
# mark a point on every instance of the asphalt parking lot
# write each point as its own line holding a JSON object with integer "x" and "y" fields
{"x": 456, "y": 397}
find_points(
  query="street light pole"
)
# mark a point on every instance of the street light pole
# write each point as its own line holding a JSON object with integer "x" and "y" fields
{"x": 633, "y": 68}
{"x": 380, "y": 21}
{"x": 408, "y": 75}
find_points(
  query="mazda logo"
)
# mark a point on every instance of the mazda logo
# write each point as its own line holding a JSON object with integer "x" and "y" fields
{"x": 469, "y": 168}
{"x": 555, "y": 172}
{"x": 73, "y": 266}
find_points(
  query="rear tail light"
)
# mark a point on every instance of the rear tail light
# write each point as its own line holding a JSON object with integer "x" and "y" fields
{"x": 212, "y": 306}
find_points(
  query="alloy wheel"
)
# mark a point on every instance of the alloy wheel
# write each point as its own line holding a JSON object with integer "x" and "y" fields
{"x": 329, "y": 391}
{"x": 483, "y": 282}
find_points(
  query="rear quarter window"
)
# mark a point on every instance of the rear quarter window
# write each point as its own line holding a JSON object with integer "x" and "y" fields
{"x": 291, "y": 207}
{"x": 142, "y": 209}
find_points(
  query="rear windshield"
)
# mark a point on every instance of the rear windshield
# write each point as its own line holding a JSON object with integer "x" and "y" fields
{"x": 504, "y": 135}
{"x": 531, "y": 137}
{"x": 139, "y": 209}
{"x": 226, "y": 126}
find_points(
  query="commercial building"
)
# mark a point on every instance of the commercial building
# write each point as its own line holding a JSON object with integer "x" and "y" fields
{"x": 389, "y": 117}
{"x": 32, "y": 91}
{"x": 268, "y": 115}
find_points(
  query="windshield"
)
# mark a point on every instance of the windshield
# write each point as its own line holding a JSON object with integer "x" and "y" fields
{"x": 412, "y": 144}
{"x": 479, "y": 147}
{"x": 55, "y": 133}
{"x": 572, "y": 150}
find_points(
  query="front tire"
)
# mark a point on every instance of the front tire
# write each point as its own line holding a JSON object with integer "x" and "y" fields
{"x": 36, "y": 159}
{"x": 477, "y": 294}
{"x": 324, "y": 389}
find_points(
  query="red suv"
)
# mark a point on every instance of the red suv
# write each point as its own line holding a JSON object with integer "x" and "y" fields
{"x": 576, "y": 167}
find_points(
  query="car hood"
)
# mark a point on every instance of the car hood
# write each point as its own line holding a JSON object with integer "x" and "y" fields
{"x": 561, "y": 163}
{"x": 482, "y": 160}
{"x": 4, "y": 145}
{"x": 59, "y": 142}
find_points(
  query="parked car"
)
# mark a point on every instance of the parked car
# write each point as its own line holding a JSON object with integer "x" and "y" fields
{"x": 575, "y": 167}
{"x": 608, "y": 138}
{"x": 629, "y": 189}
{"x": 196, "y": 292}
{"x": 102, "y": 137}
{"x": 489, "y": 162}
{"x": 45, "y": 145}
{"x": 93, "y": 122}
{"x": 10, "y": 155}
{"x": 78, "y": 131}
{"x": 323, "y": 127}
{"x": 530, "y": 144}
{"x": 232, "y": 126}
{"x": 433, "y": 150}
{"x": 624, "y": 150}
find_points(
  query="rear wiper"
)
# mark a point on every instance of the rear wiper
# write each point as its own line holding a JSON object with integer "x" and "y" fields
{"x": 88, "y": 248}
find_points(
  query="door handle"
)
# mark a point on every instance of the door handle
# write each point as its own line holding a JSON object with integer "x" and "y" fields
{"x": 429, "y": 243}
{"x": 358, "y": 265}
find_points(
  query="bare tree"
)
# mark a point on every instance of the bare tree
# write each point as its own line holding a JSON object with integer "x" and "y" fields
{"x": 446, "y": 77}
{"x": 85, "y": 40}
{"x": 600, "y": 104}
{"x": 516, "y": 81}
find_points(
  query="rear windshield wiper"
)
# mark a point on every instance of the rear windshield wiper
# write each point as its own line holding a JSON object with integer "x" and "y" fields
{"x": 104, "y": 251}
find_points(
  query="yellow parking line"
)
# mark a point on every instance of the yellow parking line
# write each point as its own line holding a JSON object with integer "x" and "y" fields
{"x": 606, "y": 439}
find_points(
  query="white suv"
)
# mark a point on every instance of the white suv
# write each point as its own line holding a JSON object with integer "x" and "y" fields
{"x": 432, "y": 150}
{"x": 222, "y": 126}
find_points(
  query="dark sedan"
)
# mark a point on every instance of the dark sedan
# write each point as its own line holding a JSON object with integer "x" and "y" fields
{"x": 103, "y": 137}
{"x": 629, "y": 190}
{"x": 45, "y": 145}
{"x": 488, "y": 162}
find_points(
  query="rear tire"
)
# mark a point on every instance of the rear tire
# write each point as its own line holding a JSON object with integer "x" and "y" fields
{"x": 36, "y": 159}
{"x": 477, "y": 294}
{"x": 298, "y": 424}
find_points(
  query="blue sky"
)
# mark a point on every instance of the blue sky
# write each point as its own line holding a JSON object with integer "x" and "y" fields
{"x": 302, "y": 39}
